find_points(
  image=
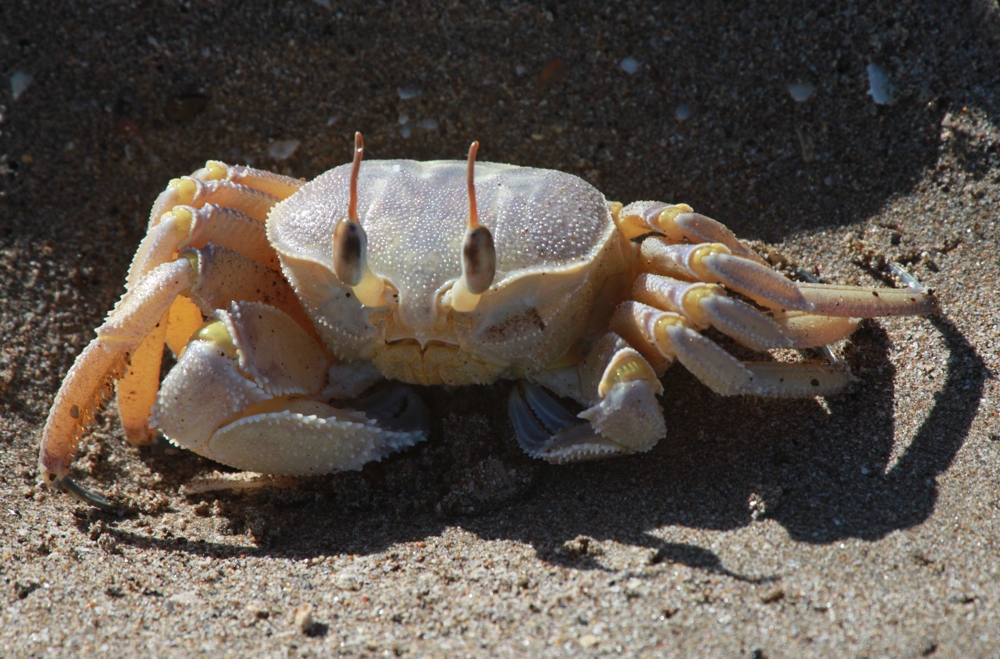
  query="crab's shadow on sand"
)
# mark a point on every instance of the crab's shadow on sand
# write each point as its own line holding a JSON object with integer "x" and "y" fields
{"x": 823, "y": 474}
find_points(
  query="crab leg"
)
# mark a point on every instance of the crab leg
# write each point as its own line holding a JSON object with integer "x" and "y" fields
{"x": 183, "y": 320}
{"x": 197, "y": 191}
{"x": 662, "y": 336}
{"x": 688, "y": 246}
{"x": 704, "y": 305}
{"x": 211, "y": 276}
{"x": 270, "y": 183}
{"x": 863, "y": 302}
{"x": 135, "y": 392}
{"x": 225, "y": 276}
{"x": 132, "y": 320}
{"x": 192, "y": 213}
{"x": 174, "y": 226}
{"x": 715, "y": 263}
{"x": 680, "y": 224}
{"x": 180, "y": 228}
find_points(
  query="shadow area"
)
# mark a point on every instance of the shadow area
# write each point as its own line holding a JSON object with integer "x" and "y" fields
{"x": 822, "y": 473}
{"x": 874, "y": 498}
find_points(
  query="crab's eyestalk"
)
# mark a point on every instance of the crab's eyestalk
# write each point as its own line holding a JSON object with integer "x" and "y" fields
{"x": 479, "y": 256}
{"x": 350, "y": 243}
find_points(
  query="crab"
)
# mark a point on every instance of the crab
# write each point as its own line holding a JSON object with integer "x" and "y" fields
{"x": 285, "y": 301}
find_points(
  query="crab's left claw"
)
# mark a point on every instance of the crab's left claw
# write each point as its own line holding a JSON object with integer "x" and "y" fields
{"x": 623, "y": 416}
{"x": 546, "y": 430}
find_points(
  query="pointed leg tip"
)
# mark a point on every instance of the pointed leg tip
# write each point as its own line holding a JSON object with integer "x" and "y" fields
{"x": 80, "y": 493}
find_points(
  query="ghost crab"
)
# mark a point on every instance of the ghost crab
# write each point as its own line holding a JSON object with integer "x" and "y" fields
{"x": 280, "y": 298}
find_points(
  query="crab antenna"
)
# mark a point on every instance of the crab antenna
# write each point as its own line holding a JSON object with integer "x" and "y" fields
{"x": 350, "y": 243}
{"x": 479, "y": 257}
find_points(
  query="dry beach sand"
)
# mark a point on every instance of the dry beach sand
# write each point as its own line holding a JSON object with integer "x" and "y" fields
{"x": 863, "y": 525}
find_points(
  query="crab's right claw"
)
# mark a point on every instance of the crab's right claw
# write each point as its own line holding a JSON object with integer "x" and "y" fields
{"x": 238, "y": 397}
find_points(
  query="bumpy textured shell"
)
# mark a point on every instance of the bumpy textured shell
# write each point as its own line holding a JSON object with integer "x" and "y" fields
{"x": 415, "y": 215}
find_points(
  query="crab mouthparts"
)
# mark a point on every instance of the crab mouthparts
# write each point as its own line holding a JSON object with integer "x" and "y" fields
{"x": 432, "y": 362}
{"x": 422, "y": 342}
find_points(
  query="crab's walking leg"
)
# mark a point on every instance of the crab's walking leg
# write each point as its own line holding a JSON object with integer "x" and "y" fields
{"x": 691, "y": 247}
{"x": 704, "y": 305}
{"x": 187, "y": 214}
{"x": 691, "y": 260}
{"x": 662, "y": 336}
{"x": 135, "y": 392}
{"x": 132, "y": 320}
{"x": 217, "y": 205}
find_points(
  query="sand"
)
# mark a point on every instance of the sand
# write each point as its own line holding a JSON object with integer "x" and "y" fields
{"x": 861, "y": 525}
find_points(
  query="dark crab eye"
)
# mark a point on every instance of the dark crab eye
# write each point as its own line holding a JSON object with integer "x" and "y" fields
{"x": 350, "y": 249}
{"x": 479, "y": 260}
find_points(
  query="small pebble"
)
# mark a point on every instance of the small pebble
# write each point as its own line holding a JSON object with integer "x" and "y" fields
{"x": 347, "y": 581}
{"x": 773, "y": 595}
{"x": 801, "y": 91}
{"x": 303, "y": 618}
{"x": 283, "y": 149}
{"x": 682, "y": 112}
{"x": 879, "y": 87}
{"x": 630, "y": 65}
{"x": 19, "y": 83}
{"x": 406, "y": 93}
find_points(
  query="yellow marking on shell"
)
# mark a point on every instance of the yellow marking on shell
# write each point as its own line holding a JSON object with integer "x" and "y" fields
{"x": 697, "y": 260}
{"x": 192, "y": 257}
{"x": 216, "y": 333}
{"x": 691, "y": 301}
{"x": 369, "y": 289}
{"x": 626, "y": 367}
{"x": 664, "y": 221}
{"x": 215, "y": 171}
{"x": 183, "y": 218}
{"x": 184, "y": 190}
{"x": 660, "y": 336}
{"x": 462, "y": 299}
